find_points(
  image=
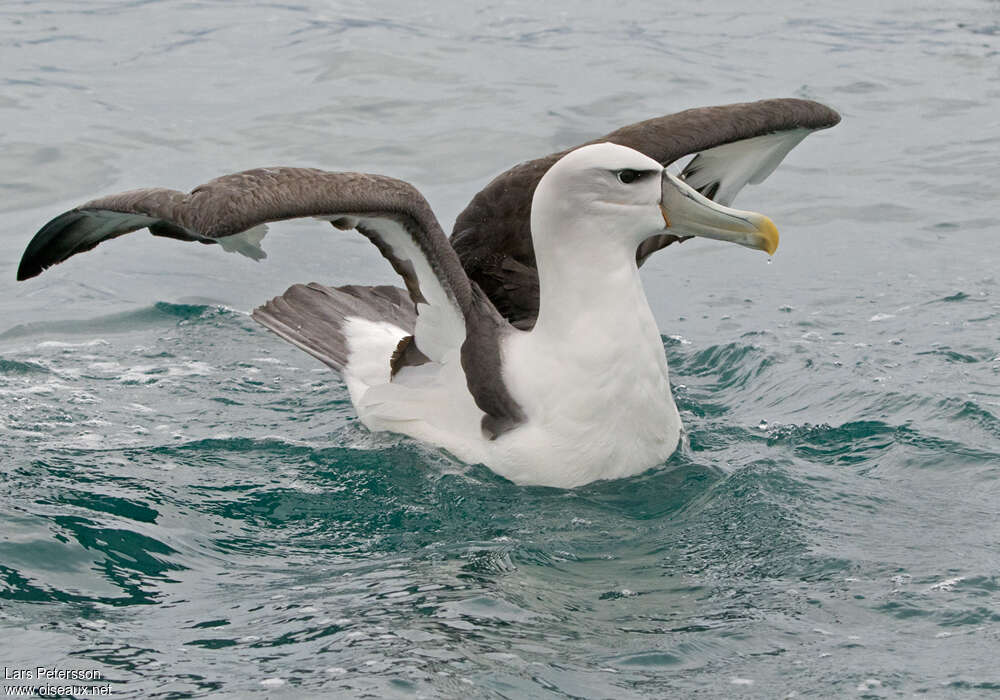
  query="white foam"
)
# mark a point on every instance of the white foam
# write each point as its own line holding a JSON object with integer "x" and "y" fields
{"x": 63, "y": 344}
{"x": 948, "y": 584}
{"x": 104, "y": 366}
{"x": 269, "y": 361}
{"x": 49, "y": 387}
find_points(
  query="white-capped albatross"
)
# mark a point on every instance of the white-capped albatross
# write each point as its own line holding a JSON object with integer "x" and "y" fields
{"x": 526, "y": 343}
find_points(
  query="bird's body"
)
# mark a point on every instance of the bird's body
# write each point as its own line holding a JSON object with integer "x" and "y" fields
{"x": 597, "y": 389}
{"x": 597, "y": 410}
{"x": 591, "y": 375}
{"x": 556, "y": 374}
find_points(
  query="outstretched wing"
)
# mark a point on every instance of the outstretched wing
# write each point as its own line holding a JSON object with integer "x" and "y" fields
{"x": 736, "y": 144}
{"x": 230, "y": 210}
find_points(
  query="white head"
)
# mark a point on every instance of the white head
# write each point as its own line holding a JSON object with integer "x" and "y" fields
{"x": 610, "y": 198}
{"x": 599, "y": 195}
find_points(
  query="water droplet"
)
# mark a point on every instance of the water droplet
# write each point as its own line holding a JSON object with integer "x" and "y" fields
{"x": 769, "y": 259}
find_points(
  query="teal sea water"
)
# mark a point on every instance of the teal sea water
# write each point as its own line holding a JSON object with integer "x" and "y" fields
{"x": 190, "y": 507}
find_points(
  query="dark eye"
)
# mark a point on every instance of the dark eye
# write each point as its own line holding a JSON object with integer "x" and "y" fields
{"x": 628, "y": 176}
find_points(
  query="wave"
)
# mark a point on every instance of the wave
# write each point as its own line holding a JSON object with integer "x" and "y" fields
{"x": 17, "y": 367}
{"x": 158, "y": 314}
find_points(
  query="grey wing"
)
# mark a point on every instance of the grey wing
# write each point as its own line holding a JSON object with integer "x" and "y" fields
{"x": 736, "y": 143}
{"x": 231, "y": 211}
{"x": 392, "y": 214}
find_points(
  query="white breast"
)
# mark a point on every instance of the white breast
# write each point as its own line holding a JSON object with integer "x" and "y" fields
{"x": 598, "y": 401}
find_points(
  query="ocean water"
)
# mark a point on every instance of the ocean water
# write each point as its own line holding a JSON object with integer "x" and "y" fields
{"x": 190, "y": 507}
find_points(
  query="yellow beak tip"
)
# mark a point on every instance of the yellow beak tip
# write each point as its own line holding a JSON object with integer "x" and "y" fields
{"x": 768, "y": 235}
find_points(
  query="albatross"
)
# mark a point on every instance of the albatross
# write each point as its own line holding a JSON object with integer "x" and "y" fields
{"x": 525, "y": 342}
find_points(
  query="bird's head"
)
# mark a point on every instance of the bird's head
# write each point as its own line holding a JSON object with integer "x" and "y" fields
{"x": 606, "y": 194}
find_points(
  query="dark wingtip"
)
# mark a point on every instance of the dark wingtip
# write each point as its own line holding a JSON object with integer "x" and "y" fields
{"x": 27, "y": 269}
{"x": 834, "y": 116}
{"x": 40, "y": 252}
{"x": 826, "y": 116}
{"x": 812, "y": 114}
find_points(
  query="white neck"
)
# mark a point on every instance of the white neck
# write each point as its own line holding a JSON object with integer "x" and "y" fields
{"x": 592, "y": 288}
{"x": 594, "y": 320}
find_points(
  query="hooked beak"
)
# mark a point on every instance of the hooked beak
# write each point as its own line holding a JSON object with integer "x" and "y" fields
{"x": 688, "y": 213}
